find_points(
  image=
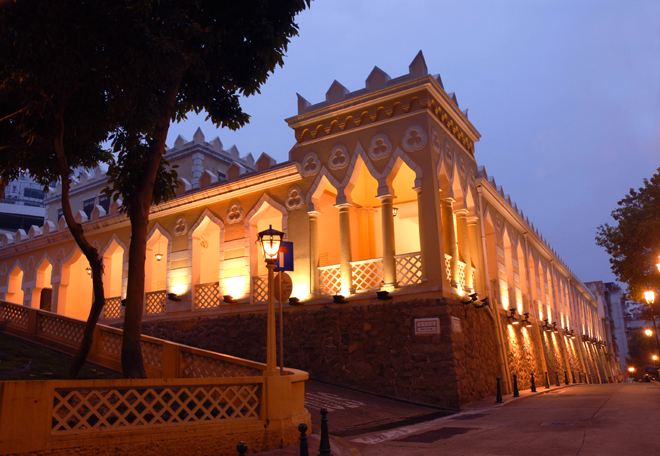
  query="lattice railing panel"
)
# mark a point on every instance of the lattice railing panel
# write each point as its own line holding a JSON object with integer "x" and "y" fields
{"x": 409, "y": 269}
{"x": 259, "y": 289}
{"x": 461, "y": 274}
{"x": 13, "y": 315}
{"x": 106, "y": 410}
{"x": 155, "y": 302}
{"x": 112, "y": 308}
{"x": 330, "y": 279}
{"x": 196, "y": 366}
{"x": 110, "y": 344}
{"x": 448, "y": 266}
{"x": 59, "y": 328}
{"x": 207, "y": 296}
{"x": 367, "y": 275}
{"x": 152, "y": 354}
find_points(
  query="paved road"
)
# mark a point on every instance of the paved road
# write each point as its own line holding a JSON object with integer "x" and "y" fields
{"x": 580, "y": 420}
{"x": 584, "y": 420}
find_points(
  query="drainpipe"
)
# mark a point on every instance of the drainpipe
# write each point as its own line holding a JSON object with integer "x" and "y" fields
{"x": 501, "y": 357}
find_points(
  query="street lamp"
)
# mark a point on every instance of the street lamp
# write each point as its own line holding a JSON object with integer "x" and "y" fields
{"x": 648, "y": 332}
{"x": 650, "y": 297}
{"x": 270, "y": 240}
{"x": 631, "y": 369}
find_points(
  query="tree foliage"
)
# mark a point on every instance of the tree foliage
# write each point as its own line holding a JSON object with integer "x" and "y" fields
{"x": 633, "y": 243}
{"x": 123, "y": 70}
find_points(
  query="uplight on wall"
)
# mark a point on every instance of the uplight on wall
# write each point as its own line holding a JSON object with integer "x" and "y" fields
{"x": 235, "y": 287}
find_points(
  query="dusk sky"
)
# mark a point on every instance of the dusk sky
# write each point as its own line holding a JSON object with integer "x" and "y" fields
{"x": 565, "y": 94}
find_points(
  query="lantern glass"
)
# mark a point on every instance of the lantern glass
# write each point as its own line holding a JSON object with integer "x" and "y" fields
{"x": 270, "y": 240}
{"x": 649, "y": 296}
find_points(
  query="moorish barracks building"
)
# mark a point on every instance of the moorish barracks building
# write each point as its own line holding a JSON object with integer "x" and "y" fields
{"x": 382, "y": 191}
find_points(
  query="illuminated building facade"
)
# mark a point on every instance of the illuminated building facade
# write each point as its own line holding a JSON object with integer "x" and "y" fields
{"x": 382, "y": 191}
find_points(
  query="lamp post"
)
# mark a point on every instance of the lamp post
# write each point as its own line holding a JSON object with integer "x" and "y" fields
{"x": 649, "y": 296}
{"x": 270, "y": 245}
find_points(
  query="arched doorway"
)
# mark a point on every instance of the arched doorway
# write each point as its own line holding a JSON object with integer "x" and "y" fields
{"x": 75, "y": 291}
{"x": 15, "y": 286}
{"x": 266, "y": 213}
{"x": 113, "y": 267}
{"x": 155, "y": 268}
{"x": 43, "y": 289}
{"x": 206, "y": 237}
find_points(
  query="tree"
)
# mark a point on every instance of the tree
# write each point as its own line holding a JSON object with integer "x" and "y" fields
{"x": 634, "y": 242}
{"x": 160, "y": 60}
{"x": 52, "y": 112}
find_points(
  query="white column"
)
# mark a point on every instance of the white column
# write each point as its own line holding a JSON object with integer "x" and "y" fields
{"x": 420, "y": 224}
{"x": 389, "y": 263}
{"x": 314, "y": 252}
{"x": 345, "y": 250}
{"x": 450, "y": 238}
{"x": 464, "y": 247}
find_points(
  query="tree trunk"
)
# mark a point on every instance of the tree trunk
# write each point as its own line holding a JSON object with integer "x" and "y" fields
{"x": 90, "y": 253}
{"x": 131, "y": 354}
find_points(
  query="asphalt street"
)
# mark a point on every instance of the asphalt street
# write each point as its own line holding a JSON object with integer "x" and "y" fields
{"x": 584, "y": 420}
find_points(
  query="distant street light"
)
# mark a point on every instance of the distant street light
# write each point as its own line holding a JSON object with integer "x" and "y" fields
{"x": 648, "y": 332}
{"x": 631, "y": 369}
{"x": 650, "y": 299}
{"x": 658, "y": 265}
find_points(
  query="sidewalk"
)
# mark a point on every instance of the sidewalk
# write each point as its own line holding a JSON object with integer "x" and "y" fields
{"x": 341, "y": 447}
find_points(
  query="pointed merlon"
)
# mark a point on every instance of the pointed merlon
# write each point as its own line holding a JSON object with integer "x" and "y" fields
{"x": 233, "y": 151}
{"x": 417, "y": 67}
{"x": 249, "y": 159}
{"x": 377, "y": 79}
{"x": 465, "y": 112}
{"x": 453, "y": 98}
{"x": 336, "y": 92}
{"x": 198, "y": 137}
{"x": 439, "y": 79}
{"x": 265, "y": 162}
{"x": 302, "y": 104}
{"x": 216, "y": 144}
{"x": 180, "y": 142}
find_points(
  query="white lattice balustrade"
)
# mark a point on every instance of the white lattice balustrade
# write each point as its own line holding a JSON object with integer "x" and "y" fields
{"x": 13, "y": 314}
{"x": 330, "y": 279}
{"x": 461, "y": 274}
{"x": 408, "y": 269}
{"x": 448, "y": 266}
{"x": 367, "y": 274}
{"x": 58, "y": 328}
{"x": 112, "y": 308}
{"x": 155, "y": 302}
{"x": 207, "y": 296}
{"x": 95, "y": 410}
{"x": 259, "y": 289}
{"x": 110, "y": 345}
{"x": 196, "y": 366}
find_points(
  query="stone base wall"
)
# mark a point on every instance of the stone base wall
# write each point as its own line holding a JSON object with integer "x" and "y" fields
{"x": 371, "y": 347}
{"x": 554, "y": 356}
{"x": 523, "y": 347}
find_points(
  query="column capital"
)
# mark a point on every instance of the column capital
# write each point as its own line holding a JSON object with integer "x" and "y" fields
{"x": 385, "y": 198}
{"x": 462, "y": 212}
{"x": 473, "y": 220}
{"x": 447, "y": 201}
{"x": 313, "y": 214}
{"x": 418, "y": 190}
{"x": 343, "y": 206}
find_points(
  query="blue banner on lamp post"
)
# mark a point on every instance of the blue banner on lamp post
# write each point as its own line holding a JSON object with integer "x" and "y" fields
{"x": 285, "y": 260}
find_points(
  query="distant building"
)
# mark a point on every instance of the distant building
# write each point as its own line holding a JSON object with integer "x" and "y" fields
{"x": 22, "y": 207}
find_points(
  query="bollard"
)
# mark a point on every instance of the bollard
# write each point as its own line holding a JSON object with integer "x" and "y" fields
{"x": 547, "y": 381}
{"x": 557, "y": 378}
{"x": 533, "y": 384}
{"x": 324, "y": 447}
{"x": 573, "y": 374}
{"x": 304, "y": 451}
{"x": 241, "y": 448}
{"x": 566, "y": 378}
{"x": 498, "y": 400}
{"x": 516, "y": 393}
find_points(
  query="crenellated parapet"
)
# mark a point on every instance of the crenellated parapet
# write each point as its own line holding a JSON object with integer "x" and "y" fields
{"x": 383, "y": 98}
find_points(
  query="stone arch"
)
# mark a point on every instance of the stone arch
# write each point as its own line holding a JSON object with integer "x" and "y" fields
{"x": 43, "y": 288}
{"x": 115, "y": 268}
{"x": 14, "y": 291}
{"x": 359, "y": 159}
{"x": 157, "y": 272}
{"x": 73, "y": 301}
{"x": 263, "y": 213}
{"x": 321, "y": 183}
{"x": 206, "y": 254}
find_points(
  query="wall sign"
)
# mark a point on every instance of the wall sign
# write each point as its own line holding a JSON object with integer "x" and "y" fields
{"x": 456, "y": 324}
{"x": 427, "y": 326}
